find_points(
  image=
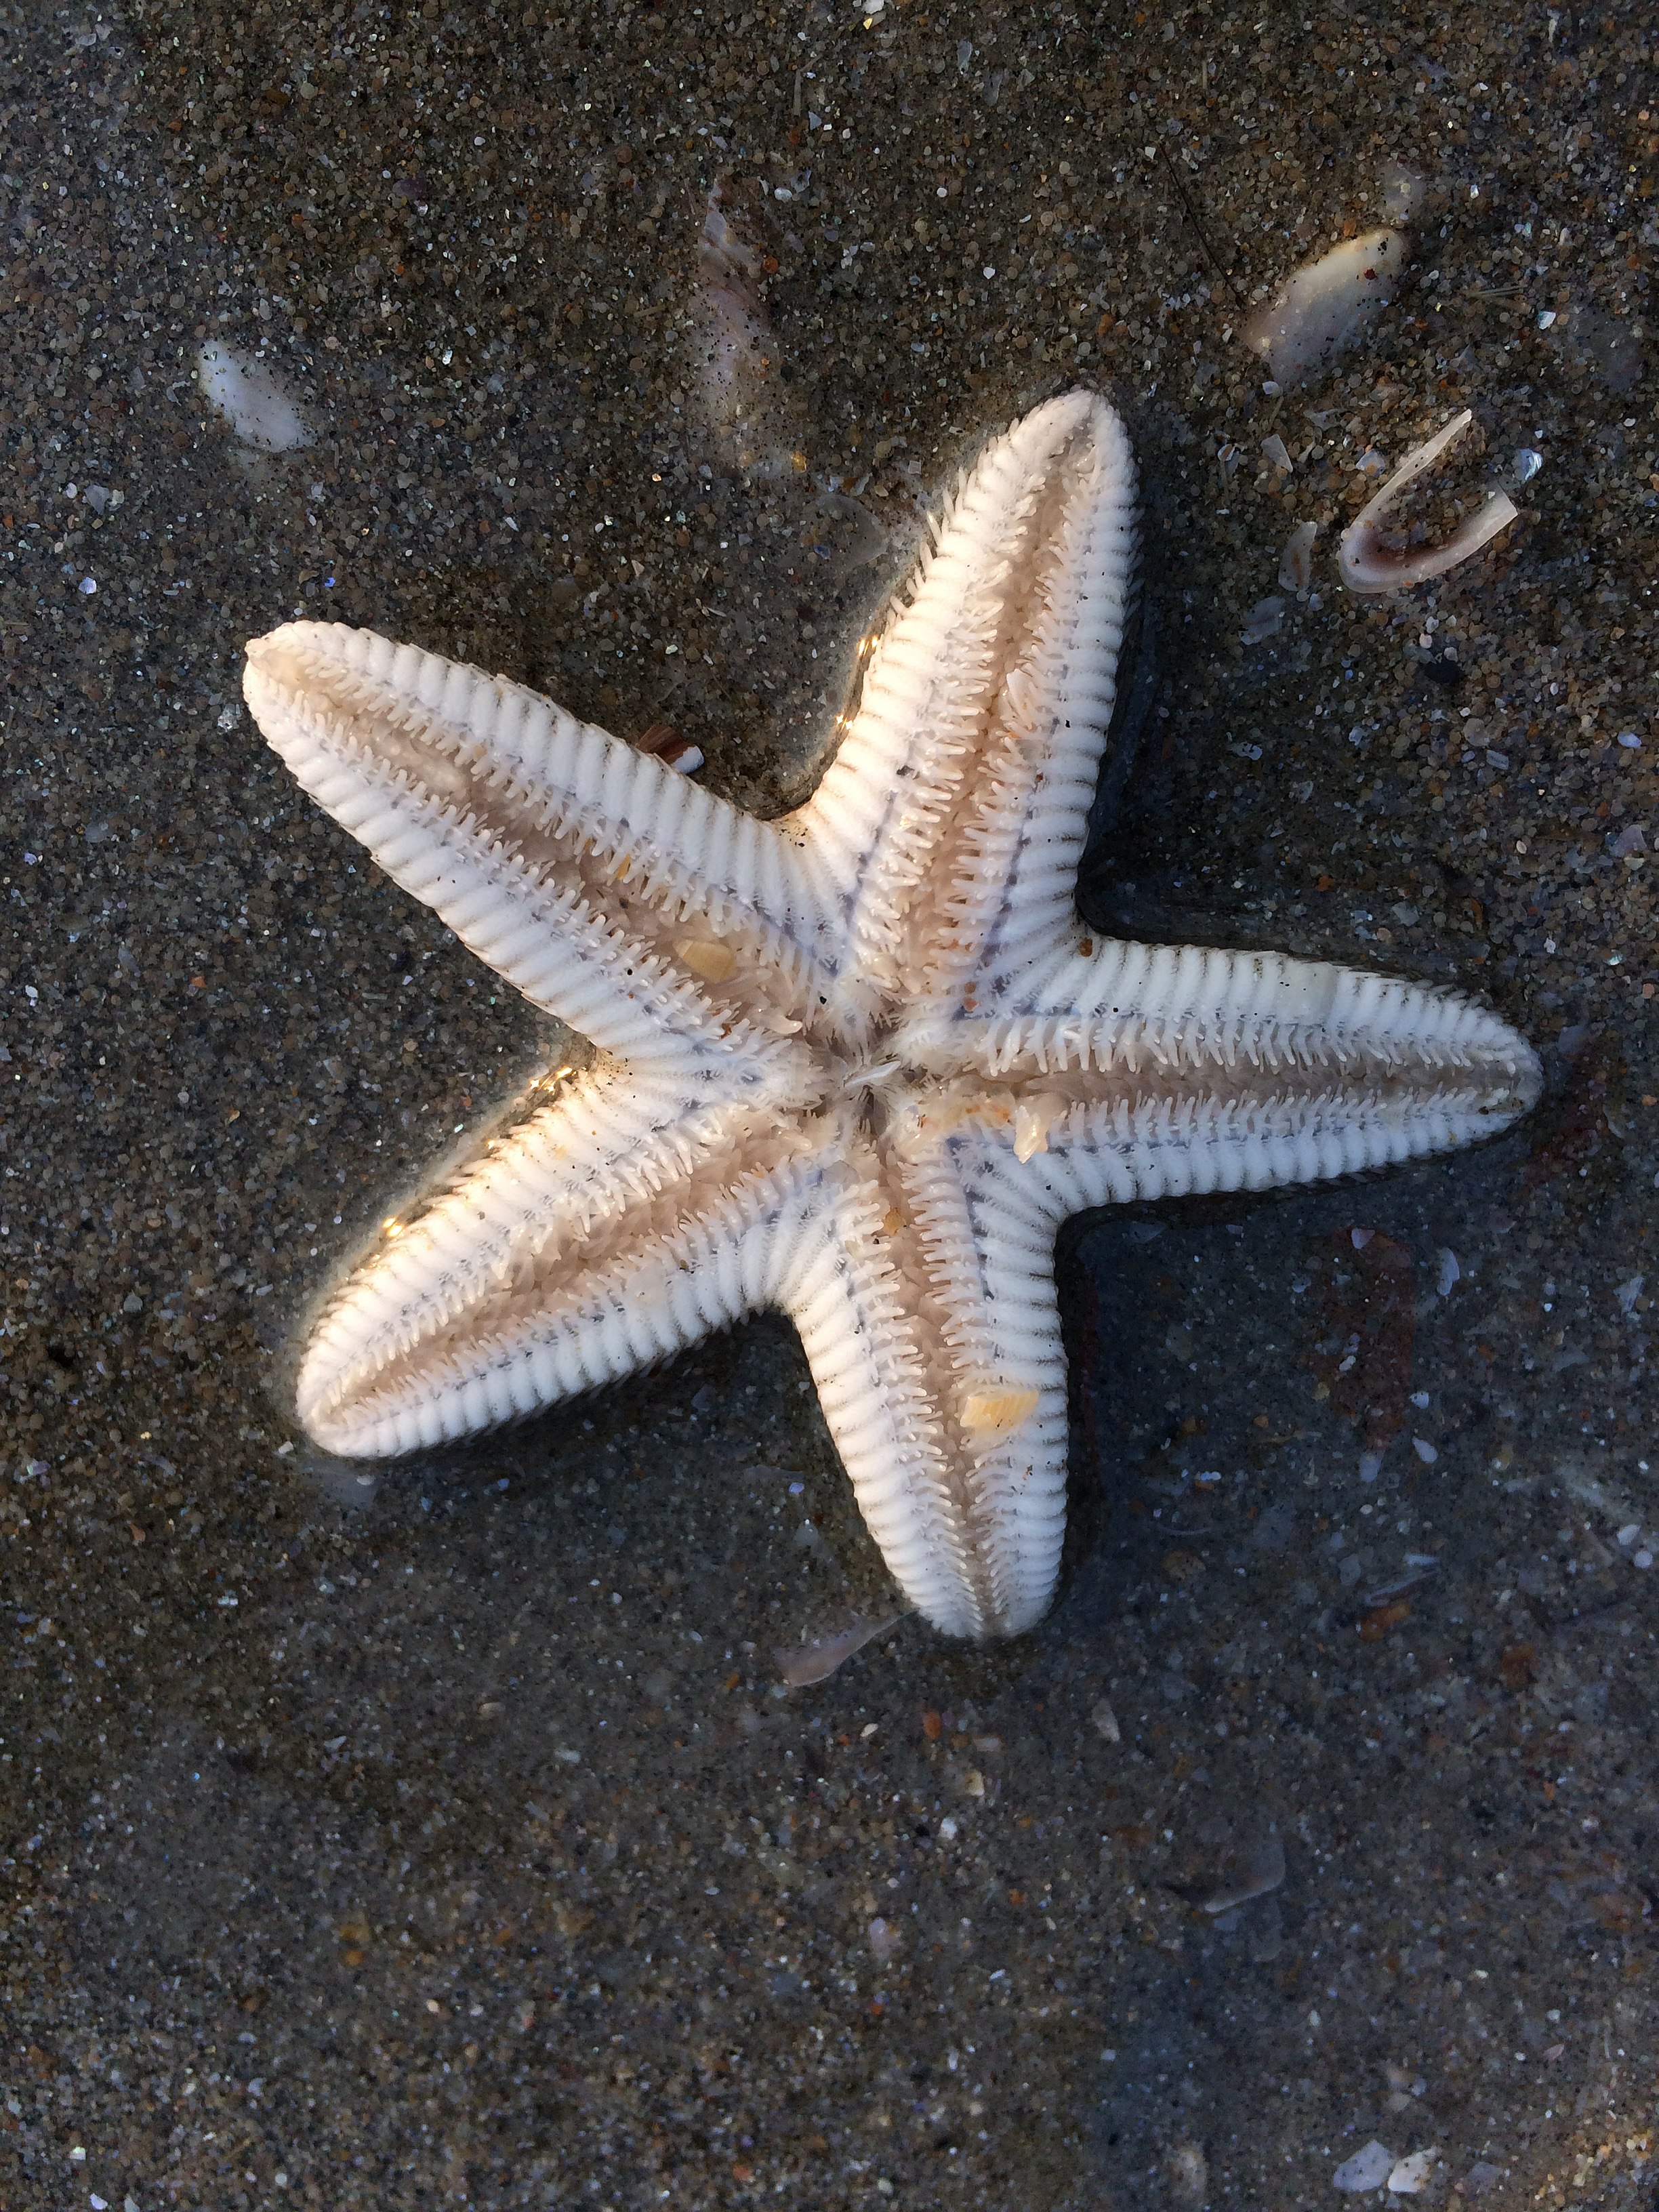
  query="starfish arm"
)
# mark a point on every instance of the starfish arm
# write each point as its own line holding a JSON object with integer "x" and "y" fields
{"x": 1147, "y": 1141}
{"x": 1239, "y": 1020}
{"x": 612, "y": 1231}
{"x": 853, "y": 1288}
{"x": 648, "y": 914}
{"x": 973, "y": 1246}
{"x": 950, "y": 824}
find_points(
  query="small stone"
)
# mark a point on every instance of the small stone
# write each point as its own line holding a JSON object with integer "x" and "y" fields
{"x": 882, "y": 1938}
{"x": 1189, "y": 2173}
{"x": 1412, "y": 2175}
{"x": 1265, "y": 619}
{"x": 1366, "y": 2170}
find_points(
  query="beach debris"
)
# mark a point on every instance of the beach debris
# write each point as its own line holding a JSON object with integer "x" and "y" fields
{"x": 1404, "y": 2087}
{"x": 673, "y": 750}
{"x": 1189, "y": 2173}
{"x": 736, "y": 354}
{"x": 844, "y": 533}
{"x": 1237, "y": 1875}
{"x": 817, "y": 1661}
{"x": 1412, "y": 2175}
{"x": 1107, "y": 1722}
{"x": 1265, "y": 620}
{"x": 1366, "y": 2170}
{"x": 1365, "y": 564}
{"x": 1320, "y": 310}
{"x": 1242, "y": 1875}
{"x": 245, "y": 391}
{"x": 1450, "y": 1273}
{"x": 1296, "y": 561}
{"x": 1403, "y": 191}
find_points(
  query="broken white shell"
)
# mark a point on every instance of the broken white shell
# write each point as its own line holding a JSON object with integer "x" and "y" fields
{"x": 247, "y": 392}
{"x": 1322, "y": 307}
{"x": 1296, "y": 561}
{"x": 1366, "y": 565}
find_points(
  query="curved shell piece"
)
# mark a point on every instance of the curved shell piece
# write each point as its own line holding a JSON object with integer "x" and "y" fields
{"x": 1366, "y": 565}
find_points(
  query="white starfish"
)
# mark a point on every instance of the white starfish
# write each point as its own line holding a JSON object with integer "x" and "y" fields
{"x": 857, "y": 1063}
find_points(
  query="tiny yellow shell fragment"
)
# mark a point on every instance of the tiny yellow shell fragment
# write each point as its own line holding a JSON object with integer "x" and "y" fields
{"x": 986, "y": 1410}
{"x": 713, "y": 962}
{"x": 1032, "y": 1119}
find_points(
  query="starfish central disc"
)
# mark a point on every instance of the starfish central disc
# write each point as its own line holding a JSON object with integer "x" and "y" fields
{"x": 858, "y": 1063}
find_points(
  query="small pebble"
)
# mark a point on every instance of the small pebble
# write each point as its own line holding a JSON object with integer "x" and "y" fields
{"x": 1412, "y": 2175}
{"x": 1189, "y": 2173}
{"x": 1366, "y": 2170}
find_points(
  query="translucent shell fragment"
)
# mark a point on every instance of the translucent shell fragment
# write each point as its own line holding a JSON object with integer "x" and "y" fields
{"x": 1319, "y": 312}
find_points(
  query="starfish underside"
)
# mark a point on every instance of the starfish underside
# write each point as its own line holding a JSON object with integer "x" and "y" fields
{"x": 857, "y": 1063}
